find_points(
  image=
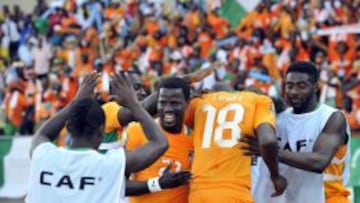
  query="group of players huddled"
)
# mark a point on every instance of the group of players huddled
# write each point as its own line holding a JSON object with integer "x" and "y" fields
{"x": 174, "y": 146}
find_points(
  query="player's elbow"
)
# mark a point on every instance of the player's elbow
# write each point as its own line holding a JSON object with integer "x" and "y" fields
{"x": 318, "y": 168}
{"x": 163, "y": 145}
{"x": 267, "y": 141}
{"x": 319, "y": 165}
{"x": 266, "y": 135}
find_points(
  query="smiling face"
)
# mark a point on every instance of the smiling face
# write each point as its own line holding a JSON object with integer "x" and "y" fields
{"x": 171, "y": 107}
{"x": 300, "y": 90}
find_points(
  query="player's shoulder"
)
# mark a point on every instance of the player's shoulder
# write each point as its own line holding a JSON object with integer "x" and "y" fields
{"x": 118, "y": 153}
{"x": 44, "y": 149}
{"x": 328, "y": 108}
{"x": 134, "y": 126}
{"x": 250, "y": 96}
{"x": 108, "y": 106}
{"x": 133, "y": 136}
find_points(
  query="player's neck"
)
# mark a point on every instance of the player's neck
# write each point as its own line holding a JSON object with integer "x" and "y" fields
{"x": 311, "y": 106}
{"x": 173, "y": 130}
{"x": 80, "y": 143}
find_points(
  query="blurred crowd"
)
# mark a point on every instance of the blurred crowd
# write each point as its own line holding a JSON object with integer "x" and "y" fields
{"x": 44, "y": 54}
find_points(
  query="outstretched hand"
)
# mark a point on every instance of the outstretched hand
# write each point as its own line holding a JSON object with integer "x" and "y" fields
{"x": 173, "y": 179}
{"x": 87, "y": 86}
{"x": 122, "y": 91}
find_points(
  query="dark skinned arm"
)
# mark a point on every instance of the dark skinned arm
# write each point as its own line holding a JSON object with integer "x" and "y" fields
{"x": 199, "y": 75}
{"x": 157, "y": 143}
{"x": 332, "y": 136}
{"x": 50, "y": 130}
{"x": 149, "y": 103}
{"x": 264, "y": 129}
{"x": 125, "y": 115}
{"x": 156, "y": 146}
{"x": 268, "y": 147}
{"x": 134, "y": 188}
{"x": 167, "y": 180}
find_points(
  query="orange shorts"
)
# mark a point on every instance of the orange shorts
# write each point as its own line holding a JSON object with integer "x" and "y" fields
{"x": 200, "y": 197}
{"x": 337, "y": 199}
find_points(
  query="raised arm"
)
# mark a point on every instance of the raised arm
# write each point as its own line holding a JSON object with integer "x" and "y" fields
{"x": 157, "y": 143}
{"x": 50, "y": 130}
{"x": 199, "y": 75}
{"x": 326, "y": 145}
{"x": 125, "y": 115}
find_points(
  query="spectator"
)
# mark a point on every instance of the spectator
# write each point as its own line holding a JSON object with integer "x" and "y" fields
{"x": 160, "y": 38}
{"x": 15, "y": 102}
{"x": 10, "y": 30}
{"x": 26, "y": 51}
{"x": 42, "y": 56}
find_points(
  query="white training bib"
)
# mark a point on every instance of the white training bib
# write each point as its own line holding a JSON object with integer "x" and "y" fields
{"x": 298, "y": 133}
{"x": 59, "y": 175}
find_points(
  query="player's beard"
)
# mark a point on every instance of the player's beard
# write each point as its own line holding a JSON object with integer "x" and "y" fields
{"x": 175, "y": 126}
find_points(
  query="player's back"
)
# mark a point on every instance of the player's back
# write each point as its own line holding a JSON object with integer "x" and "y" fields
{"x": 218, "y": 120}
{"x": 76, "y": 175}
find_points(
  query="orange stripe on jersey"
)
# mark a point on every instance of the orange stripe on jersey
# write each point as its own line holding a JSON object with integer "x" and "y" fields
{"x": 337, "y": 199}
{"x": 179, "y": 152}
{"x": 218, "y": 120}
{"x": 333, "y": 175}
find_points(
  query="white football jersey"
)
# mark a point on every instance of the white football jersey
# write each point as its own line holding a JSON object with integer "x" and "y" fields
{"x": 60, "y": 175}
{"x": 297, "y": 133}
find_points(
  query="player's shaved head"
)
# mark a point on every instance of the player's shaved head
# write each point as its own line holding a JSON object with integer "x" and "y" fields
{"x": 86, "y": 118}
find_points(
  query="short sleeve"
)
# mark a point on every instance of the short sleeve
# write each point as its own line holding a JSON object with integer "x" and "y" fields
{"x": 264, "y": 112}
{"x": 111, "y": 110}
{"x": 190, "y": 112}
{"x": 135, "y": 136}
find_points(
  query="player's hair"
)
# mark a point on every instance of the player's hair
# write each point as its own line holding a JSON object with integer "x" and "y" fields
{"x": 174, "y": 83}
{"x": 305, "y": 67}
{"x": 221, "y": 86}
{"x": 86, "y": 116}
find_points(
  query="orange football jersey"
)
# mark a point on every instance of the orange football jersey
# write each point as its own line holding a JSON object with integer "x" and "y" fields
{"x": 179, "y": 154}
{"x": 218, "y": 121}
{"x": 112, "y": 135}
